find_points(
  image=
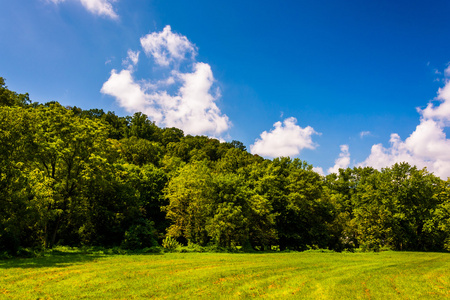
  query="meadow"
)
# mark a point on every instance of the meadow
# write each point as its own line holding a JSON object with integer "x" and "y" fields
{"x": 305, "y": 275}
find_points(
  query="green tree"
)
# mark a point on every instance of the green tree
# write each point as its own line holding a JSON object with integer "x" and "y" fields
{"x": 239, "y": 216}
{"x": 10, "y": 98}
{"x": 393, "y": 206}
{"x": 437, "y": 227}
{"x": 17, "y": 210}
{"x": 295, "y": 192}
{"x": 64, "y": 144}
{"x": 140, "y": 151}
{"x": 140, "y": 126}
{"x": 189, "y": 194}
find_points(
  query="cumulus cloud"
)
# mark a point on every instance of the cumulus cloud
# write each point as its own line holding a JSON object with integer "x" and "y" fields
{"x": 342, "y": 162}
{"x": 97, "y": 7}
{"x": 127, "y": 92}
{"x": 319, "y": 170}
{"x": 427, "y": 146}
{"x": 194, "y": 108}
{"x": 285, "y": 139}
{"x": 186, "y": 100}
{"x": 440, "y": 112}
{"x": 167, "y": 47}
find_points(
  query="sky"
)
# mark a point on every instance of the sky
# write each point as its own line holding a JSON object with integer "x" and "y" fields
{"x": 335, "y": 83}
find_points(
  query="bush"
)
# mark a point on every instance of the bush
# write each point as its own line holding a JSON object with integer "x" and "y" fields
{"x": 25, "y": 253}
{"x": 5, "y": 255}
{"x": 192, "y": 248}
{"x": 140, "y": 235}
{"x": 170, "y": 244}
{"x": 153, "y": 250}
{"x": 9, "y": 242}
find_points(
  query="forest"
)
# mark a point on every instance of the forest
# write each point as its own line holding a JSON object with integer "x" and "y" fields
{"x": 78, "y": 177}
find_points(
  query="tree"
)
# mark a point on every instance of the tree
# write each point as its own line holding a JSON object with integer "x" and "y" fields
{"x": 239, "y": 216}
{"x": 64, "y": 145}
{"x": 140, "y": 126}
{"x": 393, "y": 206}
{"x": 171, "y": 135}
{"x": 149, "y": 182}
{"x": 189, "y": 194}
{"x": 10, "y": 98}
{"x": 140, "y": 151}
{"x": 295, "y": 193}
{"x": 17, "y": 205}
{"x": 118, "y": 126}
{"x": 437, "y": 227}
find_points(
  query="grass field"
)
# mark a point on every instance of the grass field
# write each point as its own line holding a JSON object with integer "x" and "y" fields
{"x": 308, "y": 275}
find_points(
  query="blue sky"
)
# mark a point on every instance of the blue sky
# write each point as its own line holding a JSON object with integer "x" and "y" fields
{"x": 334, "y": 83}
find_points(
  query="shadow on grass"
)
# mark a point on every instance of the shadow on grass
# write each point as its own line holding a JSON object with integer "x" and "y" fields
{"x": 49, "y": 260}
{"x": 59, "y": 259}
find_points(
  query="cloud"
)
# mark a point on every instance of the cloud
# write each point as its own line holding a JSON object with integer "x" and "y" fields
{"x": 319, "y": 170}
{"x": 127, "y": 92}
{"x": 364, "y": 133}
{"x": 132, "y": 59}
{"x": 97, "y": 7}
{"x": 167, "y": 47}
{"x": 194, "y": 108}
{"x": 441, "y": 112}
{"x": 447, "y": 71}
{"x": 100, "y": 7}
{"x": 286, "y": 139}
{"x": 343, "y": 161}
{"x": 186, "y": 100}
{"x": 427, "y": 146}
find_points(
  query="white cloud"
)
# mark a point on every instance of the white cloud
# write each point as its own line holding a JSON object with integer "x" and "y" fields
{"x": 364, "y": 133}
{"x": 286, "y": 139}
{"x": 132, "y": 59}
{"x": 191, "y": 106}
{"x": 194, "y": 108}
{"x": 167, "y": 47}
{"x": 319, "y": 170}
{"x": 440, "y": 112}
{"x": 97, "y": 7}
{"x": 427, "y": 146}
{"x": 128, "y": 93}
{"x": 342, "y": 162}
{"x": 100, "y": 7}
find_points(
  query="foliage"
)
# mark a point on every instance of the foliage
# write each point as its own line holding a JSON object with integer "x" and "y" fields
{"x": 140, "y": 235}
{"x": 10, "y": 98}
{"x": 89, "y": 178}
{"x": 170, "y": 244}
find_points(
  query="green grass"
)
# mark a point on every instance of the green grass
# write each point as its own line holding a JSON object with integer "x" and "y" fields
{"x": 309, "y": 275}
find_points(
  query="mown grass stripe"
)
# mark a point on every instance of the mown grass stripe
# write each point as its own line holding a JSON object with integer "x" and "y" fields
{"x": 308, "y": 275}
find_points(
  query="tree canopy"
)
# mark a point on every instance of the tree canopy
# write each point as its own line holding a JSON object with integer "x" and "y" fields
{"x": 78, "y": 177}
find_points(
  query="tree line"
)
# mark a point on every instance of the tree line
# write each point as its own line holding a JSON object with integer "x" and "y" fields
{"x": 78, "y": 177}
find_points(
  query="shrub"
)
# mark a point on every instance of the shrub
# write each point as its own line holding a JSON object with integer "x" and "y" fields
{"x": 170, "y": 244}
{"x": 140, "y": 235}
